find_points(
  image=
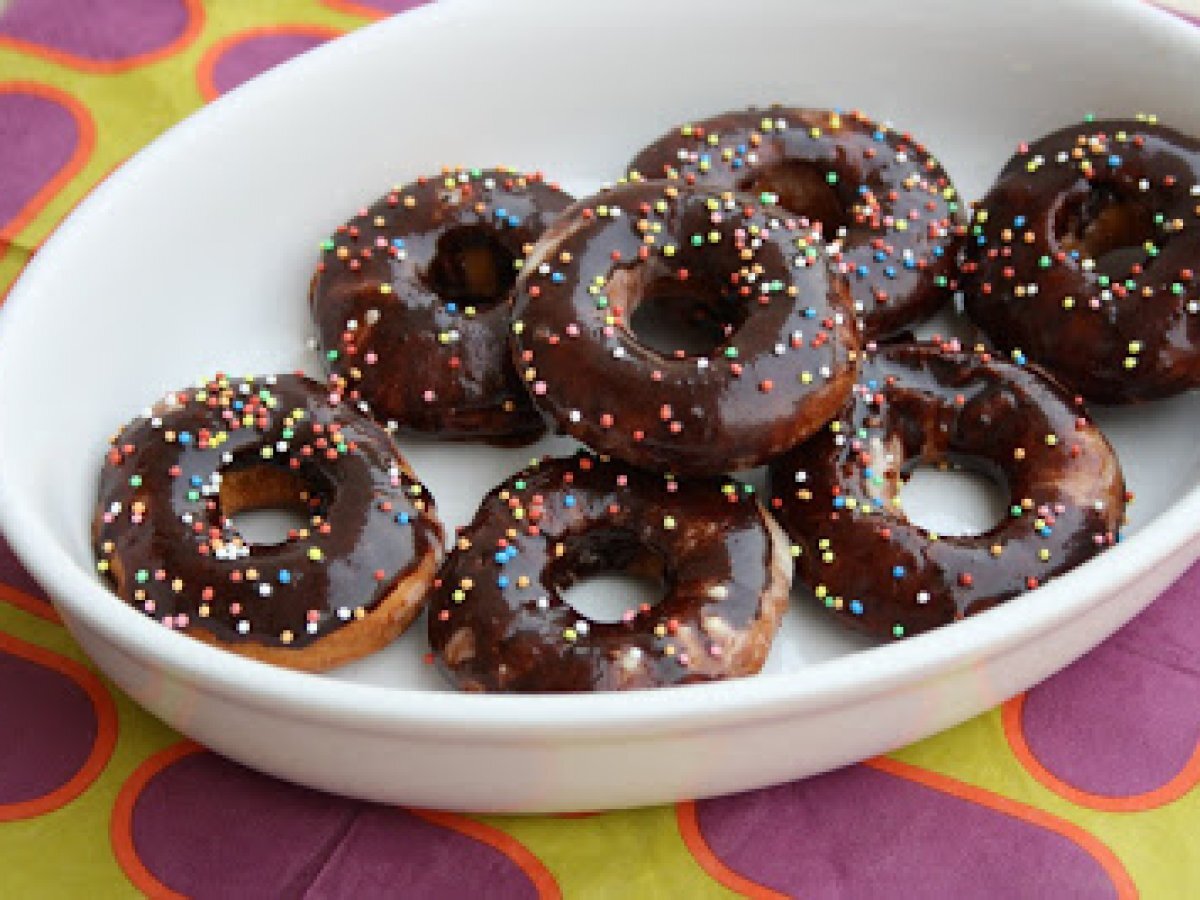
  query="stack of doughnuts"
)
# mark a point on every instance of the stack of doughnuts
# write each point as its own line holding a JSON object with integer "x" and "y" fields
{"x": 744, "y": 295}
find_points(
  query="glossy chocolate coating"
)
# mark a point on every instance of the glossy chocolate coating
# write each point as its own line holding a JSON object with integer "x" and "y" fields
{"x": 899, "y": 210}
{"x": 411, "y": 315}
{"x": 921, "y": 404}
{"x": 498, "y": 622}
{"x": 164, "y": 541}
{"x": 781, "y": 373}
{"x": 1085, "y": 255}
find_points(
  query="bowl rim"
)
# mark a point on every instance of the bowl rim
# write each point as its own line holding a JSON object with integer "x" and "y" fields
{"x": 856, "y": 677}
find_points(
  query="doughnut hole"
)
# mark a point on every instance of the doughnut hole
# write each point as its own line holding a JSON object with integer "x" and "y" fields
{"x": 674, "y": 316}
{"x": 472, "y": 267}
{"x": 802, "y": 189}
{"x": 963, "y": 498}
{"x": 266, "y": 503}
{"x": 1103, "y": 225}
{"x": 604, "y": 573}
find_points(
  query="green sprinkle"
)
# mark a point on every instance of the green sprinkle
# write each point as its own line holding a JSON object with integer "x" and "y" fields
{"x": 731, "y": 353}
{"x": 1015, "y": 510}
{"x": 831, "y": 177}
{"x": 135, "y": 481}
{"x": 898, "y": 631}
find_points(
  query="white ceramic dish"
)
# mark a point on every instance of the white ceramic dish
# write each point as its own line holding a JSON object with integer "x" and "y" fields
{"x": 217, "y": 224}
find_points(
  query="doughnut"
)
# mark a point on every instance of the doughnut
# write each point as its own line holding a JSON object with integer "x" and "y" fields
{"x": 342, "y": 586}
{"x": 886, "y": 206}
{"x": 498, "y": 620}
{"x": 922, "y": 404}
{"x": 1084, "y": 256}
{"x": 411, "y": 301}
{"x": 683, "y": 331}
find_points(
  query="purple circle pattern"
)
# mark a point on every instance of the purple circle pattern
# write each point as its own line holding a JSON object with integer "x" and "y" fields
{"x": 208, "y": 827}
{"x": 111, "y": 31}
{"x": 255, "y": 54}
{"x": 1124, "y": 719}
{"x": 37, "y": 138}
{"x": 50, "y": 727}
{"x": 860, "y": 832}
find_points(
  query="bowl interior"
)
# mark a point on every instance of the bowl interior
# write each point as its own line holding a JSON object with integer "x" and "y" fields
{"x": 196, "y": 257}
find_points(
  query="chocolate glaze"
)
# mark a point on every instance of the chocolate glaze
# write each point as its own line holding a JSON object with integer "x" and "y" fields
{"x": 783, "y": 371}
{"x": 1067, "y": 261}
{"x": 165, "y": 544}
{"x": 412, "y": 299}
{"x": 896, "y": 203}
{"x": 498, "y": 622}
{"x": 919, "y": 404}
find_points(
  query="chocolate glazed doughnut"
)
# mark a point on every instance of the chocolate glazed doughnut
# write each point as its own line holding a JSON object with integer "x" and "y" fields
{"x": 1085, "y": 257}
{"x": 837, "y": 494}
{"x": 498, "y": 621}
{"x": 412, "y": 299}
{"x": 683, "y": 331}
{"x": 886, "y": 206}
{"x": 342, "y": 586}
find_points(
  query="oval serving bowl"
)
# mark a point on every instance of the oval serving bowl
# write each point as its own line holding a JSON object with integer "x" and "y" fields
{"x": 195, "y": 256}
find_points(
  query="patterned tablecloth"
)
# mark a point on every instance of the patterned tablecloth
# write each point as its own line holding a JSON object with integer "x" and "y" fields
{"x": 1084, "y": 786}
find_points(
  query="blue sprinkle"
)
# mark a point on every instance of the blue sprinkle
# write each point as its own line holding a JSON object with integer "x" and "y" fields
{"x": 880, "y": 256}
{"x": 705, "y": 158}
{"x": 897, "y": 571}
{"x": 1045, "y": 531}
{"x": 839, "y": 502}
{"x": 514, "y": 221}
{"x": 569, "y": 501}
{"x": 502, "y": 213}
{"x": 939, "y": 251}
{"x": 856, "y": 607}
{"x": 1019, "y": 358}
{"x": 810, "y": 313}
{"x": 1114, "y": 161}
{"x": 185, "y": 437}
{"x": 878, "y": 135}
{"x": 737, "y": 163}
{"x": 981, "y": 240}
{"x": 501, "y": 557}
{"x": 557, "y": 278}
{"x": 889, "y": 271}
{"x": 868, "y": 472}
{"x": 863, "y": 271}
{"x": 402, "y": 519}
{"x": 451, "y": 307}
{"x": 398, "y": 243}
{"x": 238, "y": 404}
{"x": 196, "y": 481}
{"x": 502, "y": 581}
{"x": 1019, "y": 222}
{"x": 863, "y": 190}
{"x": 910, "y": 263}
{"x": 285, "y": 577}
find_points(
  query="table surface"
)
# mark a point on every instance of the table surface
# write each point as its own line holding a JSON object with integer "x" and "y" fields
{"x": 1084, "y": 786}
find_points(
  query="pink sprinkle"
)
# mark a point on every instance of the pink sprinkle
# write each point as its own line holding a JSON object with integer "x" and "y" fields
{"x": 371, "y": 358}
{"x": 429, "y": 396}
{"x": 628, "y": 616}
{"x": 313, "y": 615}
{"x": 716, "y": 650}
{"x": 539, "y": 387}
{"x": 235, "y": 609}
{"x": 182, "y": 620}
{"x": 572, "y": 330}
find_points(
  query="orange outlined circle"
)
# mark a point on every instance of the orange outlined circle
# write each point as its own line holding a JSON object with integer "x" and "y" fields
{"x": 1014, "y": 732}
{"x": 102, "y": 746}
{"x": 1084, "y": 840}
{"x": 29, "y": 604}
{"x": 517, "y": 853}
{"x": 120, "y": 829}
{"x": 693, "y": 838}
{"x": 191, "y": 30}
{"x": 208, "y": 62}
{"x": 84, "y": 144}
